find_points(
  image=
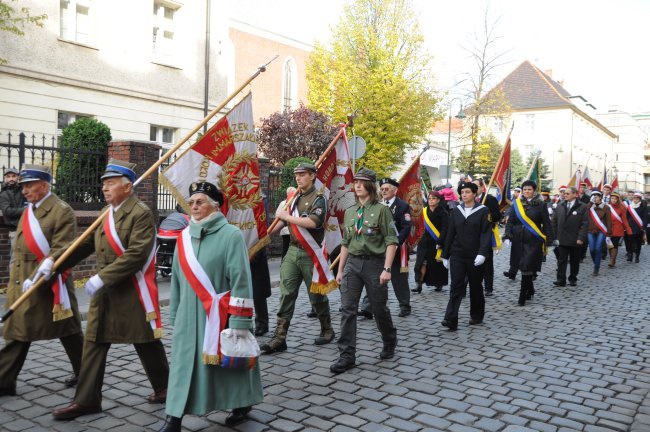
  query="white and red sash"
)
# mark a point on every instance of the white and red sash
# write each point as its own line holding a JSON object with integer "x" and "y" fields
{"x": 216, "y": 306}
{"x": 40, "y": 247}
{"x": 404, "y": 258}
{"x": 594, "y": 217}
{"x": 635, "y": 216}
{"x": 323, "y": 281}
{"x": 615, "y": 213}
{"x": 144, "y": 280}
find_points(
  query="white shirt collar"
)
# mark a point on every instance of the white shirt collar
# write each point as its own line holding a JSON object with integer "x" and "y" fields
{"x": 390, "y": 201}
{"x": 38, "y": 204}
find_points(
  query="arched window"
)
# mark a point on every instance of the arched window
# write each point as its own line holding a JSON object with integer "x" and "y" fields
{"x": 289, "y": 85}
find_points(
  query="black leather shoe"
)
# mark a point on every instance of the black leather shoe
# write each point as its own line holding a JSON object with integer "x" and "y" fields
{"x": 447, "y": 324}
{"x": 438, "y": 288}
{"x": 158, "y": 397}
{"x": 237, "y": 416}
{"x": 172, "y": 424}
{"x": 311, "y": 314}
{"x": 509, "y": 275}
{"x": 366, "y": 314}
{"x": 341, "y": 365}
{"x": 573, "y": 283}
{"x": 404, "y": 313}
{"x": 636, "y": 260}
{"x": 388, "y": 351}
{"x": 559, "y": 284}
{"x": 74, "y": 410}
{"x": 7, "y": 392}
{"x": 475, "y": 322}
{"x": 261, "y": 331}
{"x": 417, "y": 289}
{"x": 488, "y": 293}
{"x": 71, "y": 381}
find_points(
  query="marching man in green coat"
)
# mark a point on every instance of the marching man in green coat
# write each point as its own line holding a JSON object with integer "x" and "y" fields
{"x": 124, "y": 295}
{"x": 45, "y": 227}
{"x": 210, "y": 264}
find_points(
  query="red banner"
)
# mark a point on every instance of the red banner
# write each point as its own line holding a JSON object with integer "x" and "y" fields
{"x": 410, "y": 191}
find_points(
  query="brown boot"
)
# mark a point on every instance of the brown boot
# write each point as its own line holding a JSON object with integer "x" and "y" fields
{"x": 612, "y": 257}
{"x": 326, "y": 331}
{"x": 278, "y": 341}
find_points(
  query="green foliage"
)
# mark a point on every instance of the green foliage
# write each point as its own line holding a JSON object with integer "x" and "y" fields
{"x": 544, "y": 175}
{"x": 287, "y": 178}
{"x": 376, "y": 64}
{"x": 84, "y": 147}
{"x": 481, "y": 159}
{"x": 519, "y": 168}
{"x": 14, "y": 22}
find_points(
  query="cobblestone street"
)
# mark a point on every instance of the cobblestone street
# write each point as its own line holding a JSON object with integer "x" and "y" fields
{"x": 572, "y": 359}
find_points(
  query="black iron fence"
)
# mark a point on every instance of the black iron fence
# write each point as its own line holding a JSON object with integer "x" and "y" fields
{"x": 166, "y": 201}
{"x": 81, "y": 189}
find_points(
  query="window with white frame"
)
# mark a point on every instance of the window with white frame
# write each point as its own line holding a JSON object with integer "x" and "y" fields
{"x": 530, "y": 122}
{"x": 164, "y": 30}
{"x": 498, "y": 124}
{"x": 289, "y": 86}
{"x": 161, "y": 134}
{"x": 65, "y": 119}
{"x": 76, "y": 18}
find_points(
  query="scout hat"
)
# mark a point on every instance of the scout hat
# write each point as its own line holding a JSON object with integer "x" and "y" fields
{"x": 12, "y": 171}
{"x": 31, "y": 173}
{"x": 365, "y": 174}
{"x": 607, "y": 185}
{"x": 545, "y": 193}
{"x": 208, "y": 189}
{"x": 597, "y": 192}
{"x": 118, "y": 168}
{"x": 389, "y": 181}
{"x": 304, "y": 167}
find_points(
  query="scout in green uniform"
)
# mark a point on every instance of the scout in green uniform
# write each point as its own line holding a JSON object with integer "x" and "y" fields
{"x": 115, "y": 314}
{"x": 33, "y": 320}
{"x": 297, "y": 267}
{"x": 367, "y": 252}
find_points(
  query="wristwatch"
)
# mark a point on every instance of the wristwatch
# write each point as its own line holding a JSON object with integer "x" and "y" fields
{"x": 387, "y": 269}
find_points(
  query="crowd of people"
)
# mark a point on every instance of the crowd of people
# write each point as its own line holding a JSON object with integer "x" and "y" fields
{"x": 214, "y": 285}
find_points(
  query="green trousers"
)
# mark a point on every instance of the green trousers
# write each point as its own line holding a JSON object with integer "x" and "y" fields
{"x": 297, "y": 267}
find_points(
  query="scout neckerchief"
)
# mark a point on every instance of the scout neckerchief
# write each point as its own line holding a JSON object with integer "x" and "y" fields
{"x": 404, "y": 247}
{"x": 38, "y": 245}
{"x": 615, "y": 213}
{"x": 359, "y": 222}
{"x": 594, "y": 217}
{"x": 433, "y": 231}
{"x": 528, "y": 223}
{"x": 216, "y": 306}
{"x": 144, "y": 280}
{"x": 634, "y": 215}
{"x": 323, "y": 280}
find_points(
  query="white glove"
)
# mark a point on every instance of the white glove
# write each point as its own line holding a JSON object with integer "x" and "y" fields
{"x": 44, "y": 269}
{"x": 506, "y": 242}
{"x": 479, "y": 260}
{"x": 240, "y": 333}
{"x": 556, "y": 243}
{"x": 440, "y": 247}
{"x": 445, "y": 262}
{"x": 27, "y": 284}
{"x": 93, "y": 285}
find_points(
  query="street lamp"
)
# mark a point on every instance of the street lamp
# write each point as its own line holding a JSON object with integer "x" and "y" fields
{"x": 460, "y": 115}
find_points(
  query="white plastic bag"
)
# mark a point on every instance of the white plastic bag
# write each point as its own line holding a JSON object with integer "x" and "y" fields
{"x": 239, "y": 349}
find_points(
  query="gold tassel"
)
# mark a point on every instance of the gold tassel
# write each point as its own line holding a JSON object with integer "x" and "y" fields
{"x": 259, "y": 245}
{"x": 58, "y": 313}
{"x": 158, "y": 333}
{"x": 404, "y": 269}
{"x": 439, "y": 255}
{"x": 150, "y": 316}
{"x": 323, "y": 289}
{"x": 210, "y": 359}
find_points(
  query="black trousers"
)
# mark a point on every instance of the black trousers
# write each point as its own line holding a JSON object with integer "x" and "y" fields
{"x": 463, "y": 270}
{"x": 636, "y": 241}
{"x": 568, "y": 255}
{"x": 488, "y": 276}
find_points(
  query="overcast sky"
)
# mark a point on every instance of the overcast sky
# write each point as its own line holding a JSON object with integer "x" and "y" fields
{"x": 596, "y": 46}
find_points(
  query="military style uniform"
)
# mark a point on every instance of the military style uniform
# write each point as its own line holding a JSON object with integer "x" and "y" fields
{"x": 32, "y": 321}
{"x": 297, "y": 267}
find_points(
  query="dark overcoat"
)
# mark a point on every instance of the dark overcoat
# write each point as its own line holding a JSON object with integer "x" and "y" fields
{"x": 526, "y": 246}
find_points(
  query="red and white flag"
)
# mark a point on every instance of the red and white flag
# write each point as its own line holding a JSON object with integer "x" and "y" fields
{"x": 226, "y": 156}
{"x": 409, "y": 191}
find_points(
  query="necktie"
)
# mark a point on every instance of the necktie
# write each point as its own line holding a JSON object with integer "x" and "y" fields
{"x": 387, "y": 202}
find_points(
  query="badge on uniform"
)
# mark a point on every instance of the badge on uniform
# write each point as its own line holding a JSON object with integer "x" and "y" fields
{"x": 407, "y": 217}
{"x": 369, "y": 230}
{"x": 575, "y": 213}
{"x": 318, "y": 211}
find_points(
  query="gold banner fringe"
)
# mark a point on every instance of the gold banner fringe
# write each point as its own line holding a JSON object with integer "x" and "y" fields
{"x": 58, "y": 313}
{"x": 324, "y": 289}
{"x": 259, "y": 245}
{"x": 178, "y": 196}
{"x": 150, "y": 316}
{"x": 210, "y": 359}
{"x": 404, "y": 269}
{"x": 158, "y": 333}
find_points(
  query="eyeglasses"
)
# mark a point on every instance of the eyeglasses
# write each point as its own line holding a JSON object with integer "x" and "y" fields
{"x": 197, "y": 202}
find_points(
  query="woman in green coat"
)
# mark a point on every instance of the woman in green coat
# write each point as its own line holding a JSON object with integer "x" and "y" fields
{"x": 219, "y": 248}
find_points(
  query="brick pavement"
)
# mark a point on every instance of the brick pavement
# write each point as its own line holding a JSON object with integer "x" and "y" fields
{"x": 574, "y": 359}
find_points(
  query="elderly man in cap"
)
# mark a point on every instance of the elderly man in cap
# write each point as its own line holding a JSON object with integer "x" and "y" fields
{"x": 124, "y": 296}
{"x": 367, "y": 252}
{"x": 467, "y": 244}
{"x": 46, "y": 227}
{"x": 306, "y": 222}
{"x": 12, "y": 202}
{"x": 399, "y": 276}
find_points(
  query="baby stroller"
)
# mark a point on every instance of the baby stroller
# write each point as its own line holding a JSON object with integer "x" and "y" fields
{"x": 169, "y": 230}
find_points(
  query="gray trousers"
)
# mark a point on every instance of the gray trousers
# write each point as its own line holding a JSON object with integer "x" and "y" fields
{"x": 360, "y": 272}
{"x": 400, "y": 282}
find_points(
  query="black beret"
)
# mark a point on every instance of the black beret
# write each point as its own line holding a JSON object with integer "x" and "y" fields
{"x": 208, "y": 189}
{"x": 389, "y": 181}
{"x": 529, "y": 183}
{"x": 467, "y": 185}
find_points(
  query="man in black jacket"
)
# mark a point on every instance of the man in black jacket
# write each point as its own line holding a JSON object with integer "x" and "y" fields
{"x": 570, "y": 224}
{"x": 402, "y": 217}
{"x": 467, "y": 244}
{"x": 12, "y": 202}
{"x": 494, "y": 217}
